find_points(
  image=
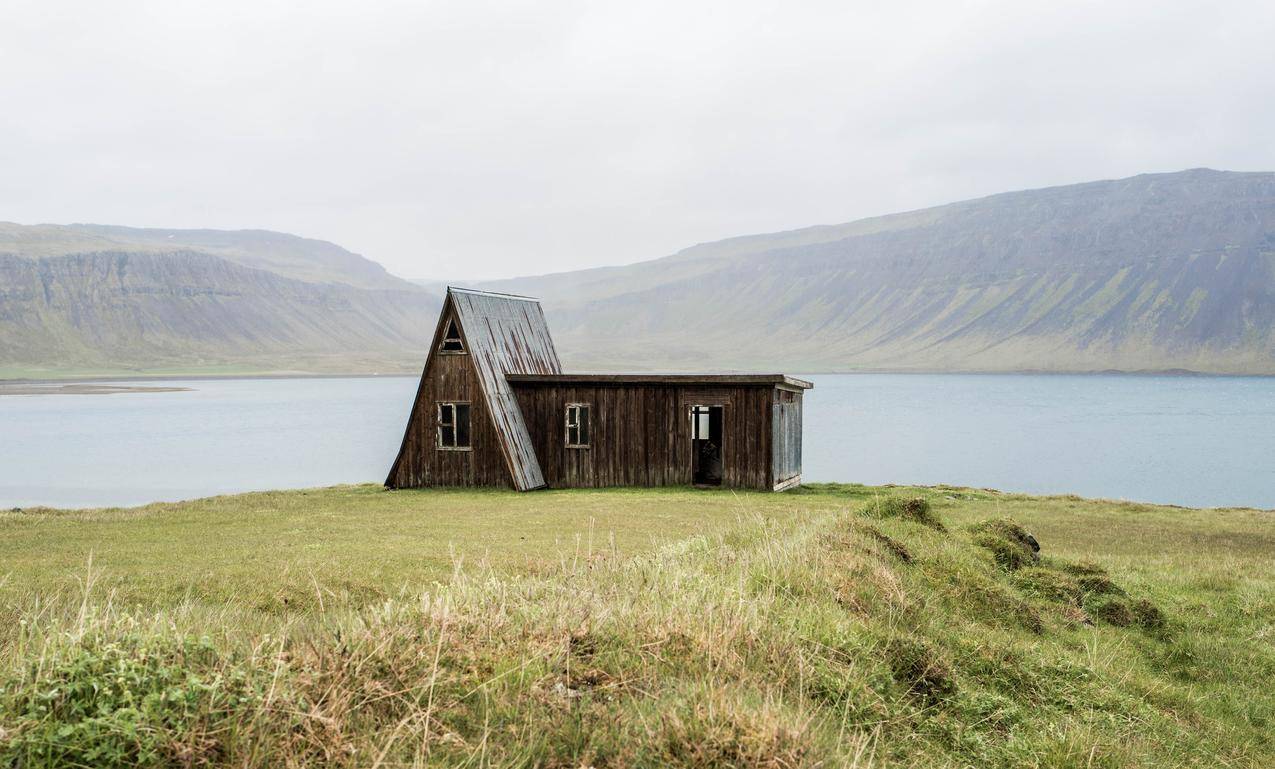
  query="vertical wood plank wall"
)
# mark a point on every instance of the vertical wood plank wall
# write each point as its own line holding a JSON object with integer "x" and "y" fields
{"x": 640, "y": 433}
{"x": 786, "y": 435}
{"x": 450, "y": 378}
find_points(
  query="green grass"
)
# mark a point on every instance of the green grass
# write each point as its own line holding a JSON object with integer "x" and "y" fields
{"x": 353, "y": 545}
{"x": 830, "y": 626}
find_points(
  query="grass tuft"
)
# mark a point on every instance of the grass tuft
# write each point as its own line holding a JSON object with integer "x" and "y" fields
{"x": 1148, "y": 615}
{"x": 728, "y": 734}
{"x": 1008, "y": 554}
{"x": 917, "y": 666}
{"x": 891, "y": 545}
{"x": 1050, "y": 585}
{"x": 125, "y": 701}
{"x": 1010, "y": 530}
{"x": 1111, "y": 609}
{"x": 915, "y": 509}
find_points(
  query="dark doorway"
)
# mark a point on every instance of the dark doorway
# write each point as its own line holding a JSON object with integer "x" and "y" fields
{"x": 706, "y": 445}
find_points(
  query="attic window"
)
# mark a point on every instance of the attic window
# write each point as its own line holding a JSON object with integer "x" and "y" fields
{"x": 451, "y": 339}
{"x": 577, "y": 425}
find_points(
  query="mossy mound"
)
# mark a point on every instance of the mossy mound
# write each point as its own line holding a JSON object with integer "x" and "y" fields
{"x": 915, "y": 509}
{"x": 1050, "y": 585}
{"x": 1110, "y": 609}
{"x": 1092, "y": 578}
{"x": 1148, "y": 615}
{"x": 891, "y": 545}
{"x": 916, "y": 665}
{"x": 1012, "y": 547}
{"x": 1081, "y": 592}
{"x": 1008, "y": 529}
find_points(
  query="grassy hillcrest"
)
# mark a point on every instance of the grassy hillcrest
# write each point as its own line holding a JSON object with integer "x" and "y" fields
{"x": 835, "y": 626}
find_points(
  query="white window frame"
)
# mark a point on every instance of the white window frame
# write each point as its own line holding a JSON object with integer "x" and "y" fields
{"x": 439, "y": 424}
{"x": 568, "y": 424}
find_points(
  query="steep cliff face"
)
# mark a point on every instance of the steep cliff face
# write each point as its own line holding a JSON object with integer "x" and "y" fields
{"x": 1166, "y": 271}
{"x": 188, "y": 309}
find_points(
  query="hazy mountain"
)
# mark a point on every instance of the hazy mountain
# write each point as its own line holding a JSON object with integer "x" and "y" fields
{"x": 315, "y": 261}
{"x": 89, "y": 297}
{"x": 1156, "y": 272}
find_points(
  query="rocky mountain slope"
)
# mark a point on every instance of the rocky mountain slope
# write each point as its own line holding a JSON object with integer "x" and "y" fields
{"x": 91, "y": 298}
{"x": 1155, "y": 272}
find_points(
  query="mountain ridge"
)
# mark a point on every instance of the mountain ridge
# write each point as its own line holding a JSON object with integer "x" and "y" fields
{"x": 192, "y": 311}
{"x": 307, "y": 259}
{"x": 1156, "y": 272}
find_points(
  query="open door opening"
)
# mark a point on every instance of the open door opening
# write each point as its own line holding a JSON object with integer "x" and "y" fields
{"x": 706, "y": 445}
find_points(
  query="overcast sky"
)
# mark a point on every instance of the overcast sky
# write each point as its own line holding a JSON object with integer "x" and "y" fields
{"x": 474, "y": 139}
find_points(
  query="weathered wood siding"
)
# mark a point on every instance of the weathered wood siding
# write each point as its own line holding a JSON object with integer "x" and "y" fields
{"x": 786, "y": 435}
{"x": 641, "y": 433}
{"x": 420, "y": 462}
{"x": 506, "y": 335}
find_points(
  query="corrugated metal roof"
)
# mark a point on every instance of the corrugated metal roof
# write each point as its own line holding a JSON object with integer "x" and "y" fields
{"x": 505, "y": 335}
{"x": 668, "y": 379}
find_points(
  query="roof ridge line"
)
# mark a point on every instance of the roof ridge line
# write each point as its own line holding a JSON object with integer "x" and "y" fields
{"x": 462, "y": 290}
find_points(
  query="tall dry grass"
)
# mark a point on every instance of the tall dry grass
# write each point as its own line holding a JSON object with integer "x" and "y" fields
{"x": 836, "y": 637}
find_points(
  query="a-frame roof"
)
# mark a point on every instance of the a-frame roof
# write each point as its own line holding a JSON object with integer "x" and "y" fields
{"x": 505, "y": 335}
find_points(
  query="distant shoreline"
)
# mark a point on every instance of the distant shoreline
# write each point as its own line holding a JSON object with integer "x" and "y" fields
{"x": 5, "y": 384}
{"x": 74, "y": 388}
{"x": 189, "y": 378}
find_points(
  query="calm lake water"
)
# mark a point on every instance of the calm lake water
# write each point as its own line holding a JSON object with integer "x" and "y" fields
{"x": 1185, "y": 440}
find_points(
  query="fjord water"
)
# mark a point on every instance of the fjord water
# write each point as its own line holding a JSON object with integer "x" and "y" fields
{"x": 1199, "y": 441}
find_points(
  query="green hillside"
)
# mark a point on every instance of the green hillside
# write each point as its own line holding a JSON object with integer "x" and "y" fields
{"x": 87, "y": 299}
{"x": 306, "y": 259}
{"x": 832, "y": 626}
{"x": 1155, "y": 272}
{"x": 1158, "y": 272}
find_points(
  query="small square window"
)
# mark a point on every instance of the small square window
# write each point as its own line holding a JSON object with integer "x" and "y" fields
{"x": 577, "y": 425}
{"x": 453, "y": 426}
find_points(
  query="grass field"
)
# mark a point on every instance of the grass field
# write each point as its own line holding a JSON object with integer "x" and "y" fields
{"x": 830, "y": 626}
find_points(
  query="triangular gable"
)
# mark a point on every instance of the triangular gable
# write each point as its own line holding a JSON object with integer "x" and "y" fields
{"x": 507, "y": 335}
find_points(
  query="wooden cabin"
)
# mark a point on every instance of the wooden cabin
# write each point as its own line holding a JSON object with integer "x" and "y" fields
{"x": 495, "y": 409}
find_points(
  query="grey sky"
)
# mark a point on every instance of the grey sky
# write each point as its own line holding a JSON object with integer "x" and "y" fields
{"x": 475, "y": 139}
